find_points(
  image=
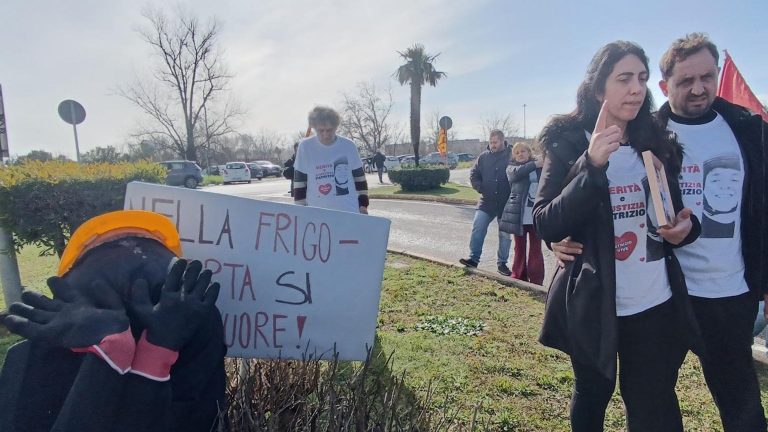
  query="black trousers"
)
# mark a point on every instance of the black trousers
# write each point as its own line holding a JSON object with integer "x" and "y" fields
{"x": 726, "y": 325}
{"x": 381, "y": 172}
{"x": 650, "y": 355}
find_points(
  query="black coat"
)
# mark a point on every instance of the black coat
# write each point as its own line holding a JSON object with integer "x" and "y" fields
{"x": 378, "y": 160}
{"x": 751, "y": 133}
{"x": 41, "y": 386}
{"x": 573, "y": 199}
{"x": 519, "y": 184}
{"x": 489, "y": 177}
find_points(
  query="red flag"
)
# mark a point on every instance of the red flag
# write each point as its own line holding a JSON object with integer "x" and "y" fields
{"x": 734, "y": 89}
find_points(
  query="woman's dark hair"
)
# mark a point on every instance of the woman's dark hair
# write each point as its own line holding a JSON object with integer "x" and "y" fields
{"x": 644, "y": 131}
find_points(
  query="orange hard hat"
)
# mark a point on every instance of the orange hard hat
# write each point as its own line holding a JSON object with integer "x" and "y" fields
{"x": 118, "y": 224}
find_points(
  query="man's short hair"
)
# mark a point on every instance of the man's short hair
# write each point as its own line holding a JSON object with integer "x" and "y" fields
{"x": 324, "y": 115}
{"x": 498, "y": 134}
{"x": 683, "y": 48}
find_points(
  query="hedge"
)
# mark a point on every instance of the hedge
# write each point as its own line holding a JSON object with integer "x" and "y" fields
{"x": 41, "y": 203}
{"x": 419, "y": 179}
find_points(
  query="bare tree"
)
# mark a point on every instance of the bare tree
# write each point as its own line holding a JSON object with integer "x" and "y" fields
{"x": 366, "y": 118}
{"x": 505, "y": 123}
{"x": 187, "y": 81}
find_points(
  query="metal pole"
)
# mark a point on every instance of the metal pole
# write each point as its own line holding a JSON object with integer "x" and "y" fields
{"x": 524, "y": 134}
{"x": 9, "y": 267}
{"x": 74, "y": 127}
{"x": 207, "y": 140}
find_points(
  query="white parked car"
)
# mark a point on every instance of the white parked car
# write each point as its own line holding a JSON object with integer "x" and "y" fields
{"x": 236, "y": 172}
{"x": 435, "y": 158}
{"x": 392, "y": 162}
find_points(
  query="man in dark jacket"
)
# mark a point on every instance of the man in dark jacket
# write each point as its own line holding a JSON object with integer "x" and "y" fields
{"x": 130, "y": 341}
{"x": 378, "y": 161}
{"x": 288, "y": 166}
{"x": 489, "y": 178}
{"x": 724, "y": 180}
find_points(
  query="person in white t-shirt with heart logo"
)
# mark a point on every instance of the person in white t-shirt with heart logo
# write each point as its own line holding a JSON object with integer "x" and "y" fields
{"x": 625, "y": 294}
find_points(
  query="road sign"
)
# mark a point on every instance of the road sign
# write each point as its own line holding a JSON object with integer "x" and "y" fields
{"x": 71, "y": 112}
{"x": 445, "y": 122}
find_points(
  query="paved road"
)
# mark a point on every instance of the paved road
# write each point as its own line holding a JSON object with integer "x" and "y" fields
{"x": 432, "y": 229}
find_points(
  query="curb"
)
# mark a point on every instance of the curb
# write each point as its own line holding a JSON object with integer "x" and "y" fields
{"x": 759, "y": 352}
{"x": 427, "y": 198}
{"x": 504, "y": 280}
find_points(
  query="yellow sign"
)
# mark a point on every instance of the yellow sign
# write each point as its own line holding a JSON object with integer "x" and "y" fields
{"x": 442, "y": 142}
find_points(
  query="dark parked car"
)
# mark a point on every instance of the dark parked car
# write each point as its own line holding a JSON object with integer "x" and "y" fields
{"x": 269, "y": 168}
{"x": 256, "y": 171}
{"x": 183, "y": 173}
{"x": 465, "y": 157}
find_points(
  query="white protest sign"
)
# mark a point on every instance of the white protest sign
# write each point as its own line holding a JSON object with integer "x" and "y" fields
{"x": 294, "y": 279}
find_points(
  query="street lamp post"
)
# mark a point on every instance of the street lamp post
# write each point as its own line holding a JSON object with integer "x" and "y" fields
{"x": 524, "y": 135}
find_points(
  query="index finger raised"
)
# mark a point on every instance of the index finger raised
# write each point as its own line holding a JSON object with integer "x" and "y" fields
{"x": 602, "y": 118}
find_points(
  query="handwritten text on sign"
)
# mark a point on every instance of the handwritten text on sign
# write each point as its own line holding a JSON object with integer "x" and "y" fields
{"x": 293, "y": 279}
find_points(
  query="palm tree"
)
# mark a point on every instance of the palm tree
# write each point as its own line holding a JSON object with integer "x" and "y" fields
{"x": 417, "y": 71}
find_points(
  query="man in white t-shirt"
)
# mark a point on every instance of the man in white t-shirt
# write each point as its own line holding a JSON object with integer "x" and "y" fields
{"x": 724, "y": 180}
{"x": 328, "y": 172}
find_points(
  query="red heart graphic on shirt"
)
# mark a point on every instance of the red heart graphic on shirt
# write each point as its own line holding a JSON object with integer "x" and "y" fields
{"x": 698, "y": 203}
{"x": 642, "y": 258}
{"x": 625, "y": 245}
{"x": 325, "y": 188}
{"x": 642, "y": 225}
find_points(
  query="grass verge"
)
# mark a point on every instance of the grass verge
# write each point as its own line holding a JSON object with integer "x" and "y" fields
{"x": 474, "y": 341}
{"x": 212, "y": 180}
{"x": 451, "y": 192}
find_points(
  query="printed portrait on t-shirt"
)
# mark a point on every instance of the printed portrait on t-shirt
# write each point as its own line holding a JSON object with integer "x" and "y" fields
{"x": 722, "y": 191}
{"x": 532, "y": 189}
{"x": 530, "y": 198}
{"x": 341, "y": 175}
{"x": 654, "y": 246}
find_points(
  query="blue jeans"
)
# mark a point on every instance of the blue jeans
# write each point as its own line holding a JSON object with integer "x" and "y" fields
{"x": 479, "y": 229}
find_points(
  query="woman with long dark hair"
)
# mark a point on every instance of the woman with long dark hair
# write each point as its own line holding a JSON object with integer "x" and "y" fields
{"x": 615, "y": 300}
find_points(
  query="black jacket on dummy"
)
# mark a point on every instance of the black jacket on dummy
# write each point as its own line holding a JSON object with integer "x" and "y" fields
{"x": 519, "y": 185}
{"x": 41, "y": 386}
{"x": 489, "y": 177}
{"x": 573, "y": 200}
{"x": 751, "y": 133}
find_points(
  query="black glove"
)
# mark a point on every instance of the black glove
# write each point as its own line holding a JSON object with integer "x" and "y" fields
{"x": 86, "y": 319}
{"x": 186, "y": 299}
{"x": 72, "y": 319}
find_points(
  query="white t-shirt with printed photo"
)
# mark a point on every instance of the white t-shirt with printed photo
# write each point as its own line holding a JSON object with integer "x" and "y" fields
{"x": 711, "y": 183}
{"x": 330, "y": 183}
{"x": 641, "y": 273}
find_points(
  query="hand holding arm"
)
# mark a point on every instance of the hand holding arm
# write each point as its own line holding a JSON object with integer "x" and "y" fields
{"x": 566, "y": 250}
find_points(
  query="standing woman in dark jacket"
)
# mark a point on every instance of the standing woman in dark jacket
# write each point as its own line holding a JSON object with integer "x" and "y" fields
{"x": 625, "y": 294}
{"x": 523, "y": 173}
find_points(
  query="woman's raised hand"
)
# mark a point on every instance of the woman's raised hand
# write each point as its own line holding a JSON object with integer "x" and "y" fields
{"x": 604, "y": 141}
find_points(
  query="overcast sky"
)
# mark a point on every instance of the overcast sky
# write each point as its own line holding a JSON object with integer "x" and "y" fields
{"x": 288, "y": 55}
